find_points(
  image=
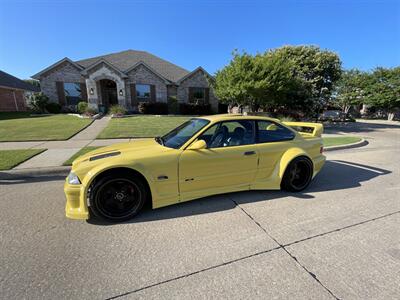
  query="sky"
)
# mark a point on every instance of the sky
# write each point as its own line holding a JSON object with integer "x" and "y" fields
{"x": 35, "y": 34}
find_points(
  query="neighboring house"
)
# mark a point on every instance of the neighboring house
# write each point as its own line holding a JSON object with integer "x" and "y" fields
{"x": 13, "y": 92}
{"x": 125, "y": 78}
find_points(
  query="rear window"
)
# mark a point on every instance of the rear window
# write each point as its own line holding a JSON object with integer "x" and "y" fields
{"x": 271, "y": 132}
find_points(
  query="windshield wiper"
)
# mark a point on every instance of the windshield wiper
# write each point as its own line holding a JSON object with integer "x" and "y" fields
{"x": 159, "y": 140}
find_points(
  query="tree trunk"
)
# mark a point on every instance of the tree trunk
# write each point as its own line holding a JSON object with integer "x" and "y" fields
{"x": 390, "y": 116}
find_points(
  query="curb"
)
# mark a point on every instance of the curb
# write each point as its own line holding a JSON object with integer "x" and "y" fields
{"x": 38, "y": 172}
{"x": 358, "y": 144}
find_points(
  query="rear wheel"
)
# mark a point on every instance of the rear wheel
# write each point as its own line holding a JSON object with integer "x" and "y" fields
{"x": 298, "y": 174}
{"x": 117, "y": 198}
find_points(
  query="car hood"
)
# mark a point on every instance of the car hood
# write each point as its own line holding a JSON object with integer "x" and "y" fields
{"x": 143, "y": 147}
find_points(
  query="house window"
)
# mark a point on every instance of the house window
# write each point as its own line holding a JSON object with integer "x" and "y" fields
{"x": 72, "y": 92}
{"x": 143, "y": 92}
{"x": 197, "y": 95}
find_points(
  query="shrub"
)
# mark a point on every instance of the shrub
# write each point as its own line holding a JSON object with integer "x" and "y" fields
{"x": 82, "y": 107}
{"x": 53, "y": 107}
{"x": 117, "y": 110}
{"x": 38, "y": 102}
{"x": 194, "y": 109}
{"x": 173, "y": 106}
{"x": 154, "y": 108}
{"x": 90, "y": 111}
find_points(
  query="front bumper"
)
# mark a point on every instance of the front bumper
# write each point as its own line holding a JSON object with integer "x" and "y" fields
{"x": 76, "y": 206}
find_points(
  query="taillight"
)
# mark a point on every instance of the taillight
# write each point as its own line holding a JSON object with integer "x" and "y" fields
{"x": 321, "y": 150}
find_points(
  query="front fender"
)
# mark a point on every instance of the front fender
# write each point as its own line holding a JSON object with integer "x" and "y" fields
{"x": 97, "y": 170}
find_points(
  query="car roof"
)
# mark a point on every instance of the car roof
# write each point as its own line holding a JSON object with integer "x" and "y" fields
{"x": 226, "y": 117}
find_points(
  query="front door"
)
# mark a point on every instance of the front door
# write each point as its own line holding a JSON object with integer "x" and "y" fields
{"x": 109, "y": 92}
{"x": 229, "y": 163}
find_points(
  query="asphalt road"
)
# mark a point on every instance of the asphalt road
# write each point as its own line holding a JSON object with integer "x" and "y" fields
{"x": 338, "y": 239}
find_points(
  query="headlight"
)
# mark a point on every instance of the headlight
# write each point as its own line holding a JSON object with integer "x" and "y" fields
{"x": 73, "y": 179}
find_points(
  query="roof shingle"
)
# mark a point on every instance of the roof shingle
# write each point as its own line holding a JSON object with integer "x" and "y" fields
{"x": 10, "y": 81}
{"x": 126, "y": 59}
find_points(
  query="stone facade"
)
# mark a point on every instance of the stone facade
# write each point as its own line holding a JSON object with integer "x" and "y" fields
{"x": 162, "y": 88}
{"x": 142, "y": 75}
{"x": 197, "y": 79}
{"x": 65, "y": 72}
{"x": 93, "y": 77}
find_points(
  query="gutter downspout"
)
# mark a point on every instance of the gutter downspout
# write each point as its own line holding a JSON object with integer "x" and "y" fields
{"x": 15, "y": 101}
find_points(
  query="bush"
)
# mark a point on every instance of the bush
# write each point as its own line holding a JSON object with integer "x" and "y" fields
{"x": 155, "y": 108}
{"x": 82, "y": 107}
{"x": 194, "y": 109}
{"x": 117, "y": 110}
{"x": 173, "y": 106}
{"x": 90, "y": 111}
{"x": 53, "y": 107}
{"x": 38, "y": 102}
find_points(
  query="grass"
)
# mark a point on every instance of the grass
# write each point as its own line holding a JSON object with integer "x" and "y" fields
{"x": 140, "y": 126}
{"x": 337, "y": 141}
{"x": 79, "y": 153}
{"x": 12, "y": 158}
{"x": 23, "y": 127}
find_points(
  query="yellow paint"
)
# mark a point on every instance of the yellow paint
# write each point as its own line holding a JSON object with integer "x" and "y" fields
{"x": 194, "y": 171}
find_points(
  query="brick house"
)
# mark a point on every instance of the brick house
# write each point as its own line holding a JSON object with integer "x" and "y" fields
{"x": 125, "y": 78}
{"x": 13, "y": 92}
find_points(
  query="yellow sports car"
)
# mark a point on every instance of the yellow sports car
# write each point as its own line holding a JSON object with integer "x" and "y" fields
{"x": 203, "y": 156}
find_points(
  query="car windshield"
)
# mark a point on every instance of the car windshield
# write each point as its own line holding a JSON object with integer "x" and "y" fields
{"x": 181, "y": 134}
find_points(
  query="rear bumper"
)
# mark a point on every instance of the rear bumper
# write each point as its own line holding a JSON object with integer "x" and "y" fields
{"x": 318, "y": 164}
{"x": 76, "y": 206}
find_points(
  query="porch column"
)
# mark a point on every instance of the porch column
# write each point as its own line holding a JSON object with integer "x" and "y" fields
{"x": 92, "y": 93}
{"x": 121, "y": 93}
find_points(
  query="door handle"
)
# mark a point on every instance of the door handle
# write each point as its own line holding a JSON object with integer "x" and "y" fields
{"x": 250, "y": 153}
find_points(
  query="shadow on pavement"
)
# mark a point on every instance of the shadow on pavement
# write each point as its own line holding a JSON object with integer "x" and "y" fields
{"x": 336, "y": 175}
{"x": 355, "y": 127}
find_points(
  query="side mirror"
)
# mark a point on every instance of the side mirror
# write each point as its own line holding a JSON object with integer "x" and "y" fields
{"x": 198, "y": 145}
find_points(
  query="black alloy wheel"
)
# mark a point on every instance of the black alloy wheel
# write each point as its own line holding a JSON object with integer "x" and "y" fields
{"x": 117, "y": 199}
{"x": 298, "y": 174}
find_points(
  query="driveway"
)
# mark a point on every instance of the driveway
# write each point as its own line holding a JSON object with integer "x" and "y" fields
{"x": 338, "y": 239}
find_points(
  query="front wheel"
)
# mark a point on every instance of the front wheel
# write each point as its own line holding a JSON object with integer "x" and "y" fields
{"x": 117, "y": 198}
{"x": 298, "y": 174}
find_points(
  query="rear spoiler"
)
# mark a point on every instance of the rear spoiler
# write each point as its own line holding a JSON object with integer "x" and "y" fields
{"x": 307, "y": 129}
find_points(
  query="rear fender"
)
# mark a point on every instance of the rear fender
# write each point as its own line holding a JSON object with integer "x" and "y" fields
{"x": 287, "y": 157}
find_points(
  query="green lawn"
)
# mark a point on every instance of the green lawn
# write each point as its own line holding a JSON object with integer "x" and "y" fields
{"x": 140, "y": 126}
{"x": 79, "y": 153}
{"x": 23, "y": 127}
{"x": 11, "y": 158}
{"x": 337, "y": 141}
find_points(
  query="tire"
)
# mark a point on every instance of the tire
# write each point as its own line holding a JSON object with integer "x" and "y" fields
{"x": 117, "y": 198}
{"x": 298, "y": 174}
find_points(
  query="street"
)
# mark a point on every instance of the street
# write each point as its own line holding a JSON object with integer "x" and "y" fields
{"x": 340, "y": 238}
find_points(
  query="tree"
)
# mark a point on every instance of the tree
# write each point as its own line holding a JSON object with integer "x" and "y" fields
{"x": 383, "y": 89}
{"x": 33, "y": 82}
{"x": 292, "y": 77}
{"x": 350, "y": 89}
{"x": 38, "y": 102}
{"x": 319, "y": 69}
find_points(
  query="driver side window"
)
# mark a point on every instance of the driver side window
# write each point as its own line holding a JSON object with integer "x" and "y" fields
{"x": 228, "y": 134}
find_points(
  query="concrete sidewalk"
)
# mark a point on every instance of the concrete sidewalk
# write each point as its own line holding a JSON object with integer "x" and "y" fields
{"x": 60, "y": 151}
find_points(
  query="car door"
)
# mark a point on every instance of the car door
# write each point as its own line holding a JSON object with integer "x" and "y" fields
{"x": 273, "y": 140}
{"x": 228, "y": 163}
